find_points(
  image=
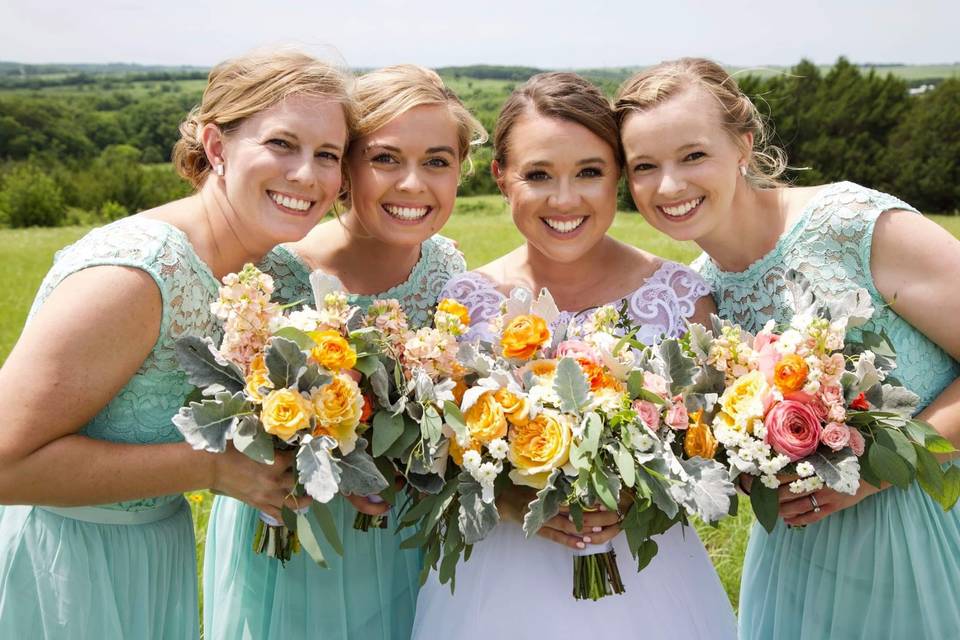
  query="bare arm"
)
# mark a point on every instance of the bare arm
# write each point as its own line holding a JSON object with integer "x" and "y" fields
{"x": 86, "y": 341}
{"x": 702, "y": 310}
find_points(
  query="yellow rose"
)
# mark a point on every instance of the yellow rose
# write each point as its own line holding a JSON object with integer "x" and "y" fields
{"x": 285, "y": 413}
{"x": 699, "y": 440}
{"x": 790, "y": 374}
{"x": 515, "y": 407}
{"x": 456, "y": 451}
{"x": 258, "y": 377}
{"x": 746, "y": 400}
{"x": 485, "y": 419}
{"x": 338, "y": 406}
{"x": 539, "y": 447}
{"x": 332, "y": 351}
{"x": 524, "y": 336}
{"x": 454, "y": 308}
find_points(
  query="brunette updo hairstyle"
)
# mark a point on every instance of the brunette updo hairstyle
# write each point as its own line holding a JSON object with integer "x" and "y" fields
{"x": 659, "y": 83}
{"x": 560, "y": 95}
{"x": 245, "y": 86}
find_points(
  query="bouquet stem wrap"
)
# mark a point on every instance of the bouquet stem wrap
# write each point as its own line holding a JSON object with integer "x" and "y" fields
{"x": 365, "y": 522}
{"x": 273, "y": 538}
{"x": 595, "y": 572}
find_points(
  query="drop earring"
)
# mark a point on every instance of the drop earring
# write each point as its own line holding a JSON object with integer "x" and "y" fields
{"x": 743, "y": 170}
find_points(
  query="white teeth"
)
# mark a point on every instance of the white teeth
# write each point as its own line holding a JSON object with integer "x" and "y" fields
{"x": 681, "y": 210}
{"x": 406, "y": 213}
{"x": 564, "y": 226}
{"x": 291, "y": 203}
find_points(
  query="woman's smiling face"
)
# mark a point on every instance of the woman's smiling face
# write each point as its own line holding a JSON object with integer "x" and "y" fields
{"x": 561, "y": 181}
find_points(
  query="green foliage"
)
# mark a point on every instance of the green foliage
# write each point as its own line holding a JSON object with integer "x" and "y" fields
{"x": 31, "y": 198}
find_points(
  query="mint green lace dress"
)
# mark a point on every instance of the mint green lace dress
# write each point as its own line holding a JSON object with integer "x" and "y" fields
{"x": 125, "y": 570}
{"x": 370, "y": 593}
{"x": 888, "y": 567}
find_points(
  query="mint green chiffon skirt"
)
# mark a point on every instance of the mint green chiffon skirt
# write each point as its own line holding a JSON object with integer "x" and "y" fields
{"x": 368, "y": 594}
{"x": 888, "y": 567}
{"x": 73, "y": 579}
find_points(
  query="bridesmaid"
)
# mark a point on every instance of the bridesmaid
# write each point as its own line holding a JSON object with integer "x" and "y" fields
{"x": 881, "y": 563}
{"x": 413, "y": 136}
{"x": 557, "y": 160}
{"x": 89, "y": 390}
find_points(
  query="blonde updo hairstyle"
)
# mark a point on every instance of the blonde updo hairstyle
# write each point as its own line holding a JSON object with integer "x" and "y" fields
{"x": 386, "y": 94}
{"x": 250, "y": 84}
{"x": 561, "y": 95}
{"x": 659, "y": 83}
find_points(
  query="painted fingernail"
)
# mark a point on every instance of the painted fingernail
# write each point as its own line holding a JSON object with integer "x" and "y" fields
{"x": 587, "y": 539}
{"x": 603, "y": 508}
{"x": 570, "y": 518}
{"x": 597, "y": 529}
{"x": 580, "y": 545}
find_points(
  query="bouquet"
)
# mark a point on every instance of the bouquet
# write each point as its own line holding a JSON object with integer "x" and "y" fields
{"x": 556, "y": 410}
{"x": 279, "y": 381}
{"x": 411, "y": 377}
{"x": 812, "y": 402}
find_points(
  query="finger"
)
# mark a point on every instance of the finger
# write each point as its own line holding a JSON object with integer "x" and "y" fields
{"x": 573, "y": 542}
{"x": 600, "y": 519}
{"x": 784, "y": 494}
{"x": 604, "y": 536}
{"x": 284, "y": 459}
{"x": 562, "y": 523}
{"x": 297, "y": 503}
{"x": 787, "y": 479}
{"x": 811, "y": 516}
{"x": 795, "y": 508}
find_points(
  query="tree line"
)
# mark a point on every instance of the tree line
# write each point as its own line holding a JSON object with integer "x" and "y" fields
{"x": 97, "y": 150}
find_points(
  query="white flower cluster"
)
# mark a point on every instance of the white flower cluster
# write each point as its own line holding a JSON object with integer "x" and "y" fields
{"x": 486, "y": 472}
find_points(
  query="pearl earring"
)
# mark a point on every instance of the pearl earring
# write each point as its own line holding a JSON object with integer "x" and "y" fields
{"x": 218, "y": 169}
{"x": 743, "y": 170}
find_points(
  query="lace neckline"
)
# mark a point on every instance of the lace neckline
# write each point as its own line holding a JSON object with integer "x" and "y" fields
{"x": 785, "y": 241}
{"x": 300, "y": 267}
{"x": 213, "y": 284}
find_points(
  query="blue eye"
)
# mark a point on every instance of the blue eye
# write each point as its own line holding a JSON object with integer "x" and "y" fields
{"x": 438, "y": 162}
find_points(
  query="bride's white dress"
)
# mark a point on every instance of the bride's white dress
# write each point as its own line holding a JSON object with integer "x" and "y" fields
{"x": 520, "y": 589}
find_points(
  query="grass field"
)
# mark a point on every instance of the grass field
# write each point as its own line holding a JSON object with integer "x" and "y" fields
{"x": 484, "y": 230}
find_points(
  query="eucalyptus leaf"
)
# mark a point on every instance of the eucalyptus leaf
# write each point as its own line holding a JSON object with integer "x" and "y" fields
{"x": 455, "y": 420}
{"x": 324, "y": 517}
{"x": 897, "y": 442}
{"x": 765, "y": 503}
{"x": 607, "y": 487}
{"x": 387, "y": 428}
{"x": 308, "y": 539}
{"x": 285, "y": 363}
{"x": 929, "y": 473}
{"x": 571, "y": 385}
{"x": 411, "y": 434}
{"x": 626, "y": 465}
{"x": 300, "y": 338}
{"x": 889, "y": 466}
{"x": 204, "y": 366}
{"x": 646, "y": 553}
{"x": 429, "y": 483}
{"x": 205, "y": 425}
{"x": 659, "y": 494}
{"x": 431, "y": 427}
{"x": 635, "y": 383}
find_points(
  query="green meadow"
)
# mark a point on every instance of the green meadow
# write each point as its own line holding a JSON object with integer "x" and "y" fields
{"x": 483, "y": 228}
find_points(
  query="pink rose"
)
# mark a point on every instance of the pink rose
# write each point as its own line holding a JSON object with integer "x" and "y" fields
{"x": 766, "y": 355}
{"x": 831, "y": 394}
{"x": 677, "y": 417}
{"x": 835, "y": 435}
{"x": 655, "y": 384}
{"x": 793, "y": 429}
{"x": 578, "y": 351}
{"x": 857, "y": 443}
{"x": 648, "y": 413}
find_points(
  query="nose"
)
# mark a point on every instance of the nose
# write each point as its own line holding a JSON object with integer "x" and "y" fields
{"x": 303, "y": 170}
{"x": 410, "y": 181}
{"x": 566, "y": 196}
{"x": 671, "y": 183}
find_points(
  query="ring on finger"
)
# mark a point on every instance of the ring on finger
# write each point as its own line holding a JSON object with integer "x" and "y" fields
{"x": 816, "y": 505}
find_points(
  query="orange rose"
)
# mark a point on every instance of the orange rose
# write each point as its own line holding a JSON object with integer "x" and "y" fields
{"x": 524, "y": 336}
{"x": 515, "y": 407}
{"x": 699, "y": 439}
{"x": 258, "y": 377}
{"x": 285, "y": 413}
{"x": 332, "y": 352}
{"x": 539, "y": 447}
{"x": 485, "y": 419}
{"x": 456, "y": 451}
{"x": 338, "y": 406}
{"x": 454, "y": 308}
{"x": 598, "y": 376}
{"x": 367, "y": 408}
{"x": 790, "y": 374}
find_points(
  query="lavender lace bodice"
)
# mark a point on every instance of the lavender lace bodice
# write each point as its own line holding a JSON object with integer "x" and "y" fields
{"x": 661, "y": 306}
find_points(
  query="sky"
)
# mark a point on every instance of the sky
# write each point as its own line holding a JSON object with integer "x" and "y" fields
{"x": 546, "y": 34}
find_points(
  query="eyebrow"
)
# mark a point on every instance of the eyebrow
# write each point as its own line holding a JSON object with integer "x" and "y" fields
{"x": 441, "y": 149}
{"x": 547, "y": 163}
{"x": 689, "y": 145}
{"x": 291, "y": 134}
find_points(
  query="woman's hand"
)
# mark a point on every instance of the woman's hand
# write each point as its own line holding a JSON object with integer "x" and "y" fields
{"x": 599, "y": 527}
{"x": 364, "y": 505}
{"x": 267, "y": 487}
{"x": 801, "y": 509}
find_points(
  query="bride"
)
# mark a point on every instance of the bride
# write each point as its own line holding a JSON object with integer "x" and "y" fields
{"x": 557, "y": 160}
